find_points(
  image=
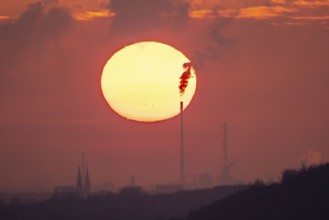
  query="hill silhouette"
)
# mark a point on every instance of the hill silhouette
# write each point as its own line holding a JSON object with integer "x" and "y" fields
{"x": 130, "y": 203}
{"x": 301, "y": 194}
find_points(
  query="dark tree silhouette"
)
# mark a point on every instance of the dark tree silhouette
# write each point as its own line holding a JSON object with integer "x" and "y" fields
{"x": 129, "y": 203}
{"x": 301, "y": 194}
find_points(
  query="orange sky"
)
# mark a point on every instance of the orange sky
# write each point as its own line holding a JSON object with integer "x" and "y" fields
{"x": 257, "y": 9}
{"x": 261, "y": 67}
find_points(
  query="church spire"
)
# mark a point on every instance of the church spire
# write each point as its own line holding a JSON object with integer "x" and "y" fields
{"x": 87, "y": 183}
{"x": 79, "y": 181}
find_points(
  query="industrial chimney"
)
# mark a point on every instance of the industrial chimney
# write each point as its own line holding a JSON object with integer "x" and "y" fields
{"x": 181, "y": 164}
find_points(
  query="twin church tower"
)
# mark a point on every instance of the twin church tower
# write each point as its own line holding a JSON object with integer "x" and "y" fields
{"x": 83, "y": 181}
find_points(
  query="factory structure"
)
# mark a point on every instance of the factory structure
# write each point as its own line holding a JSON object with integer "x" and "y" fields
{"x": 225, "y": 178}
{"x": 203, "y": 180}
{"x": 171, "y": 188}
{"x": 82, "y": 186}
{"x": 182, "y": 162}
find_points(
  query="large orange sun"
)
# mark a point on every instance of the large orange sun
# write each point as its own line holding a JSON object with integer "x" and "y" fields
{"x": 140, "y": 81}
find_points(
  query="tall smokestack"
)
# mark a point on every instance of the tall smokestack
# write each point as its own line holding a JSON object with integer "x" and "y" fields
{"x": 182, "y": 86}
{"x": 181, "y": 165}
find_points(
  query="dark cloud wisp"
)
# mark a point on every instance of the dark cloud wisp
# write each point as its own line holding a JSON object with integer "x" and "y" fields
{"x": 144, "y": 15}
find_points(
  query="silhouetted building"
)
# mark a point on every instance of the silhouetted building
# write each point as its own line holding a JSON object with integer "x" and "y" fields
{"x": 83, "y": 180}
{"x": 168, "y": 188}
{"x": 225, "y": 178}
{"x": 66, "y": 192}
{"x": 79, "y": 182}
{"x": 65, "y": 189}
{"x": 82, "y": 187}
{"x": 203, "y": 180}
{"x": 87, "y": 183}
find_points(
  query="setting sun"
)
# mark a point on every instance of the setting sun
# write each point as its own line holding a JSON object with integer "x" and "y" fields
{"x": 140, "y": 82}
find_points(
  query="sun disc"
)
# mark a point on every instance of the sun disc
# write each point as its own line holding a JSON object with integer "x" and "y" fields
{"x": 140, "y": 81}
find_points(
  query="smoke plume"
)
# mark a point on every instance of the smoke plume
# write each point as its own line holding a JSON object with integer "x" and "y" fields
{"x": 311, "y": 157}
{"x": 185, "y": 77}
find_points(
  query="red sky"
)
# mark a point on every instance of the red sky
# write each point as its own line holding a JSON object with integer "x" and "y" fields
{"x": 262, "y": 66}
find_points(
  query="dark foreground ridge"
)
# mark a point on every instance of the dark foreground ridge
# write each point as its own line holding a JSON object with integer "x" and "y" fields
{"x": 131, "y": 203}
{"x": 301, "y": 194}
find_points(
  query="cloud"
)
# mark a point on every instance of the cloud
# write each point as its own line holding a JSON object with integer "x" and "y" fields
{"x": 90, "y": 15}
{"x": 276, "y": 12}
{"x": 314, "y": 3}
{"x": 144, "y": 15}
{"x": 4, "y": 18}
{"x": 265, "y": 12}
{"x": 39, "y": 23}
{"x": 314, "y": 11}
{"x": 228, "y": 4}
{"x": 313, "y": 18}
